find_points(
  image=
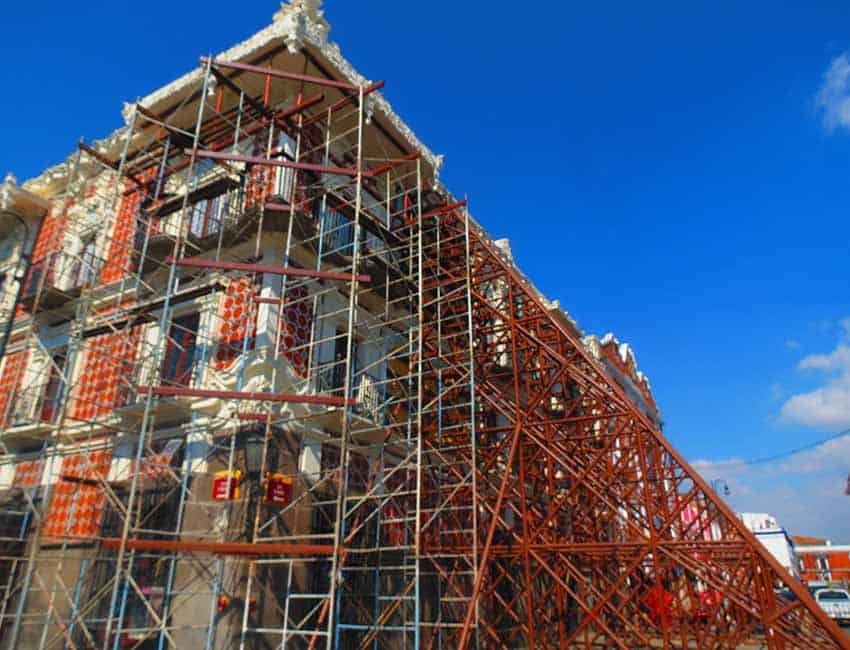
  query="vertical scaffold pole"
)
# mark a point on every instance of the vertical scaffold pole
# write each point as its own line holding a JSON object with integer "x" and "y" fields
{"x": 339, "y": 527}
{"x": 472, "y": 414}
{"x": 417, "y": 531}
{"x": 157, "y": 358}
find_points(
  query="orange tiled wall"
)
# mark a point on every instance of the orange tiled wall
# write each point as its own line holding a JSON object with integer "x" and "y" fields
{"x": 28, "y": 473}
{"x": 237, "y": 318}
{"x": 76, "y": 508}
{"x": 295, "y": 328}
{"x": 51, "y": 234}
{"x": 119, "y": 257}
{"x": 260, "y": 185}
{"x": 50, "y": 238}
{"x": 10, "y": 380}
{"x": 108, "y": 363}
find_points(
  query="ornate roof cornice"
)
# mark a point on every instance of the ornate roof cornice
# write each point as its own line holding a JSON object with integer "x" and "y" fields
{"x": 296, "y": 23}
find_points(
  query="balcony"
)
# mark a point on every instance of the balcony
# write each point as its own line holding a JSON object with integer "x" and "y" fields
{"x": 208, "y": 212}
{"x": 369, "y": 391}
{"x": 151, "y": 245}
{"x": 130, "y": 402}
{"x": 59, "y": 287}
{"x": 33, "y": 413}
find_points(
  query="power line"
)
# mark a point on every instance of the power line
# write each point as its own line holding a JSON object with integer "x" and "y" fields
{"x": 797, "y": 450}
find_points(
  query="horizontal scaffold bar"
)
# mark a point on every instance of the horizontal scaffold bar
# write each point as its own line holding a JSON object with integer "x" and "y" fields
{"x": 278, "y": 207}
{"x": 304, "y": 105}
{"x": 392, "y": 164}
{"x": 342, "y": 103}
{"x": 281, "y": 74}
{"x": 289, "y": 271}
{"x": 218, "y": 548}
{"x": 182, "y": 391}
{"x": 255, "y": 417}
{"x": 444, "y": 209}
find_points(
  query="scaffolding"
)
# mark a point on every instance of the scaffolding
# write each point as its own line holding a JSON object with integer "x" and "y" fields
{"x": 303, "y": 400}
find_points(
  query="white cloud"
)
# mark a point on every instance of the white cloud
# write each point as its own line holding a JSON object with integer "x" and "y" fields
{"x": 833, "y": 97}
{"x": 826, "y": 407}
{"x": 837, "y": 360}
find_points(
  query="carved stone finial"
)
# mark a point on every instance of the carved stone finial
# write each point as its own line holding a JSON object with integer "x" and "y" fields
{"x": 9, "y": 185}
{"x": 438, "y": 162}
{"x": 308, "y": 20}
{"x": 127, "y": 112}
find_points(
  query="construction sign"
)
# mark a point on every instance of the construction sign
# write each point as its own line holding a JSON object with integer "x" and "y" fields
{"x": 278, "y": 489}
{"x": 225, "y": 485}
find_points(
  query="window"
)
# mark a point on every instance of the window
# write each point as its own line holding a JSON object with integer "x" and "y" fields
{"x": 179, "y": 359}
{"x": 200, "y": 169}
{"x": 87, "y": 265}
{"x": 833, "y": 596}
{"x": 338, "y": 234}
{"x": 284, "y": 177}
{"x": 822, "y": 563}
{"x": 53, "y": 388}
{"x": 331, "y": 375}
{"x": 207, "y": 216}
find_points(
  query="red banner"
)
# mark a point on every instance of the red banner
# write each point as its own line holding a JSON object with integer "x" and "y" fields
{"x": 278, "y": 489}
{"x": 225, "y": 486}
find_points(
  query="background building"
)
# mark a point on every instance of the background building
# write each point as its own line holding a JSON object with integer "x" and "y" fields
{"x": 821, "y": 561}
{"x": 775, "y": 539}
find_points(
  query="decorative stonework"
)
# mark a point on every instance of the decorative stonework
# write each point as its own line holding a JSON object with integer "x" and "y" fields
{"x": 622, "y": 355}
{"x": 296, "y": 23}
{"x": 127, "y": 112}
{"x": 307, "y": 22}
{"x": 10, "y": 183}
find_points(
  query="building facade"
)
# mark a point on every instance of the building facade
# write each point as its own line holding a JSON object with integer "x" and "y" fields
{"x": 775, "y": 539}
{"x": 821, "y": 562}
{"x": 268, "y": 384}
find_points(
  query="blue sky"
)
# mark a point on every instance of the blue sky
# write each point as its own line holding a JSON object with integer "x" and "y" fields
{"x": 676, "y": 175}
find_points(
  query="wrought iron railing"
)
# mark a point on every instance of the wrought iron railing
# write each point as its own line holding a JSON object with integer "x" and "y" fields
{"x": 330, "y": 378}
{"x": 35, "y": 404}
{"x": 369, "y": 396}
{"x": 45, "y": 267}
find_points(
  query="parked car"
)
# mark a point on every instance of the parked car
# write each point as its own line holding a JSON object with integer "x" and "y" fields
{"x": 835, "y": 602}
{"x": 786, "y": 593}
